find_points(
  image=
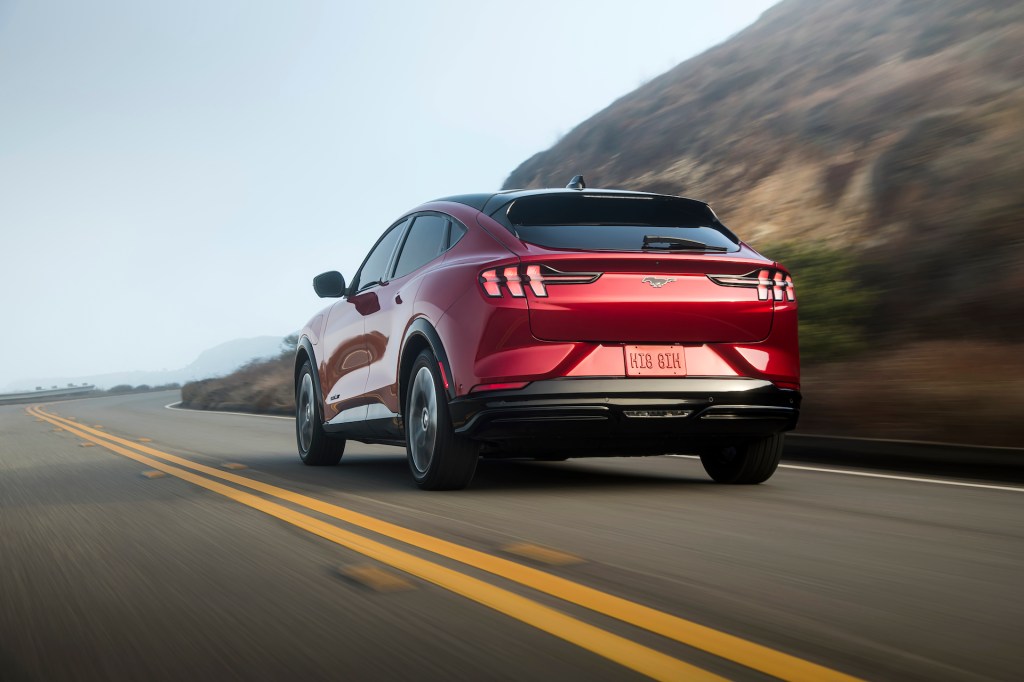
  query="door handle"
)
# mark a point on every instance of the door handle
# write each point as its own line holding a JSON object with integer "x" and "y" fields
{"x": 398, "y": 297}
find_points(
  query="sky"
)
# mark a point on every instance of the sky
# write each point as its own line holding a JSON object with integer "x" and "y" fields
{"x": 173, "y": 174}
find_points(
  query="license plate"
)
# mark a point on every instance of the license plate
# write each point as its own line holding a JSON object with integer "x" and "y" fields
{"x": 655, "y": 361}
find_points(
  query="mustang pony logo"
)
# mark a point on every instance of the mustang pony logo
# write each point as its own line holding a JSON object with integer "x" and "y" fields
{"x": 657, "y": 282}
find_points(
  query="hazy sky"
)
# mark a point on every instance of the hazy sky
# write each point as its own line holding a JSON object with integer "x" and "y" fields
{"x": 173, "y": 174}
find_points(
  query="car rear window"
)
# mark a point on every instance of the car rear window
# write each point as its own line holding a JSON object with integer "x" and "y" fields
{"x": 595, "y": 222}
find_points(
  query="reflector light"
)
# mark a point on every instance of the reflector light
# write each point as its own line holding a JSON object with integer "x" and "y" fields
{"x": 775, "y": 285}
{"x": 657, "y": 414}
{"x": 506, "y": 386}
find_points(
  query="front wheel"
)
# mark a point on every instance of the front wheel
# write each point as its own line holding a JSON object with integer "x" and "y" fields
{"x": 316, "y": 447}
{"x": 439, "y": 458}
{"x": 746, "y": 463}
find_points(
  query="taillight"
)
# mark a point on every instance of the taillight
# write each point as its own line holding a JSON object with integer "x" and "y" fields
{"x": 536, "y": 278}
{"x": 770, "y": 283}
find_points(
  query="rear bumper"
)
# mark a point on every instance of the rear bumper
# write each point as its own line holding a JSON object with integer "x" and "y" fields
{"x": 626, "y": 410}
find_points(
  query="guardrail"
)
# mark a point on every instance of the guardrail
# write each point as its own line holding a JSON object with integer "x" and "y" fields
{"x": 45, "y": 394}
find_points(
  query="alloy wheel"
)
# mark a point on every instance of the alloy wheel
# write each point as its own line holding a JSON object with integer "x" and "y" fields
{"x": 306, "y": 413}
{"x": 422, "y": 419}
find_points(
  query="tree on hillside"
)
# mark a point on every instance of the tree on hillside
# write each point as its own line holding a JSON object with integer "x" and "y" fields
{"x": 288, "y": 343}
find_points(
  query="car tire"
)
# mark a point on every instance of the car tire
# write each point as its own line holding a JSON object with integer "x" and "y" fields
{"x": 439, "y": 459}
{"x": 744, "y": 463}
{"x": 316, "y": 446}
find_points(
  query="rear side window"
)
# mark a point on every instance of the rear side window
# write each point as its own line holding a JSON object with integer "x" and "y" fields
{"x": 456, "y": 232}
{"x": 426, "y": 241}
{"x": 616, "y": 223}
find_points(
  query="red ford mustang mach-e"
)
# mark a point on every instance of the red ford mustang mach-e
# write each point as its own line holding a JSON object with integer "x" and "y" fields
{"x": 552, "y": 324}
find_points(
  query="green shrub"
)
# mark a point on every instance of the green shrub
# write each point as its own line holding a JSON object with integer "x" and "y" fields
{"x": 834, "y": 303}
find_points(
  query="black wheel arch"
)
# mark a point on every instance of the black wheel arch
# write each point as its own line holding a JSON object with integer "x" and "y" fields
{"x": 304, "y": 353}
{"x": 420, "y": 335}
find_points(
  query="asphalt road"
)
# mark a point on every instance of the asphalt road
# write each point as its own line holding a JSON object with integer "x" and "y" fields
{"x": 209, "y": 552}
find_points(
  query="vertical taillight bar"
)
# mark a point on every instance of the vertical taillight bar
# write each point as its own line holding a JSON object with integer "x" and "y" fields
{"x": 536, "y": 281}
{"x": 514, "y": 282}
{"x": 490, "y": 281}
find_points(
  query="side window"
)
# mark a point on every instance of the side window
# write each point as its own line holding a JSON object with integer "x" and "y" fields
{"x": 425, "y": 242}
{"x": 457, "y": 232}
{"x": 374, "y": 268}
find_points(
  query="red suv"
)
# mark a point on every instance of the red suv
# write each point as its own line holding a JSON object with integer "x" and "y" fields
{"x": 551, "y": 324}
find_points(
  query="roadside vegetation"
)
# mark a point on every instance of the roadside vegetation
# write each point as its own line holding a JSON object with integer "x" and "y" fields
{"x": 263, "y": 386}
{"x": 141, "y": 388}
{"x": 835, "y": 303}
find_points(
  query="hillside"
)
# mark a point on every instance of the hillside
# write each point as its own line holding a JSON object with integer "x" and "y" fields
{"x": 892, "y": 130}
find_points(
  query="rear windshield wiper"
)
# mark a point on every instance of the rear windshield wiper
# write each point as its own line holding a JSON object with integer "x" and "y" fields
{"x": 653, "y": 241}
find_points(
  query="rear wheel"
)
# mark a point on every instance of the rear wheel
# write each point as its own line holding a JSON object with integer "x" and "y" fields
{"x": 438, "y": 458}
{"x": 745, "y": 463}
{"x": 316, "y": 447}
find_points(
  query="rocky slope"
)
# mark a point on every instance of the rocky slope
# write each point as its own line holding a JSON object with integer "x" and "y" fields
{"x": 891, "y": 129}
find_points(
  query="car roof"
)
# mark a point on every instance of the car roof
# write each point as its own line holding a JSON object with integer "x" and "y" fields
{"x": 490, "y": 202}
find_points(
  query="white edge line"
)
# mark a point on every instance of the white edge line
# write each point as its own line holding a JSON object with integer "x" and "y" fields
{"x": 897, "y": 441}
{"x": 866, "y": 474}
{"x": 174, "y": 406}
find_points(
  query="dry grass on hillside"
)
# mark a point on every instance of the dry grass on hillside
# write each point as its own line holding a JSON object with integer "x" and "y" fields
{"x": 265, "y": 387}
{"x": 947, "y": 391}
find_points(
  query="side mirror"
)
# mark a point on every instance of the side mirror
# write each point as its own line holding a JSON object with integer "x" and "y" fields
{"x": 329, "y": 285}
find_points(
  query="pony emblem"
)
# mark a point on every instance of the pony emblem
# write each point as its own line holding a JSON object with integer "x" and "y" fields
{"x": 657, "y": 282}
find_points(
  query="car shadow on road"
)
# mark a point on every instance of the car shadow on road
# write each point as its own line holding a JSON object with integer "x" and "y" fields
{"x": 390, "y": 472}
{"x": 595, "y": 473}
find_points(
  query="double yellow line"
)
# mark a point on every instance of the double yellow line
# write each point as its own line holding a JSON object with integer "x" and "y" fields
{"x": 619, "y": 649}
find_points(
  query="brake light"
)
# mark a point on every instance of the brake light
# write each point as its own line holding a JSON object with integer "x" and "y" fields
{"x": 536, "y": 278}
{"x": 770, "y": 284}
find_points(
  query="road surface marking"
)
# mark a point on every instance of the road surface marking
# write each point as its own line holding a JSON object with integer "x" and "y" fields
{"x": 86, "y": 445}
{"x": 174, "y": 406}
{"x": 914, "y": 479}
{"x": 145, "y": 440}
{"x": 544, "y": 555}
{"x": 376, "y": 578}
{"x": 613, "y": 647}
{"x": 894, "y": 477}
{"x": 235, "y": 466}
{"x": 730, "y": 647}
{"x": 153, "y": 474}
